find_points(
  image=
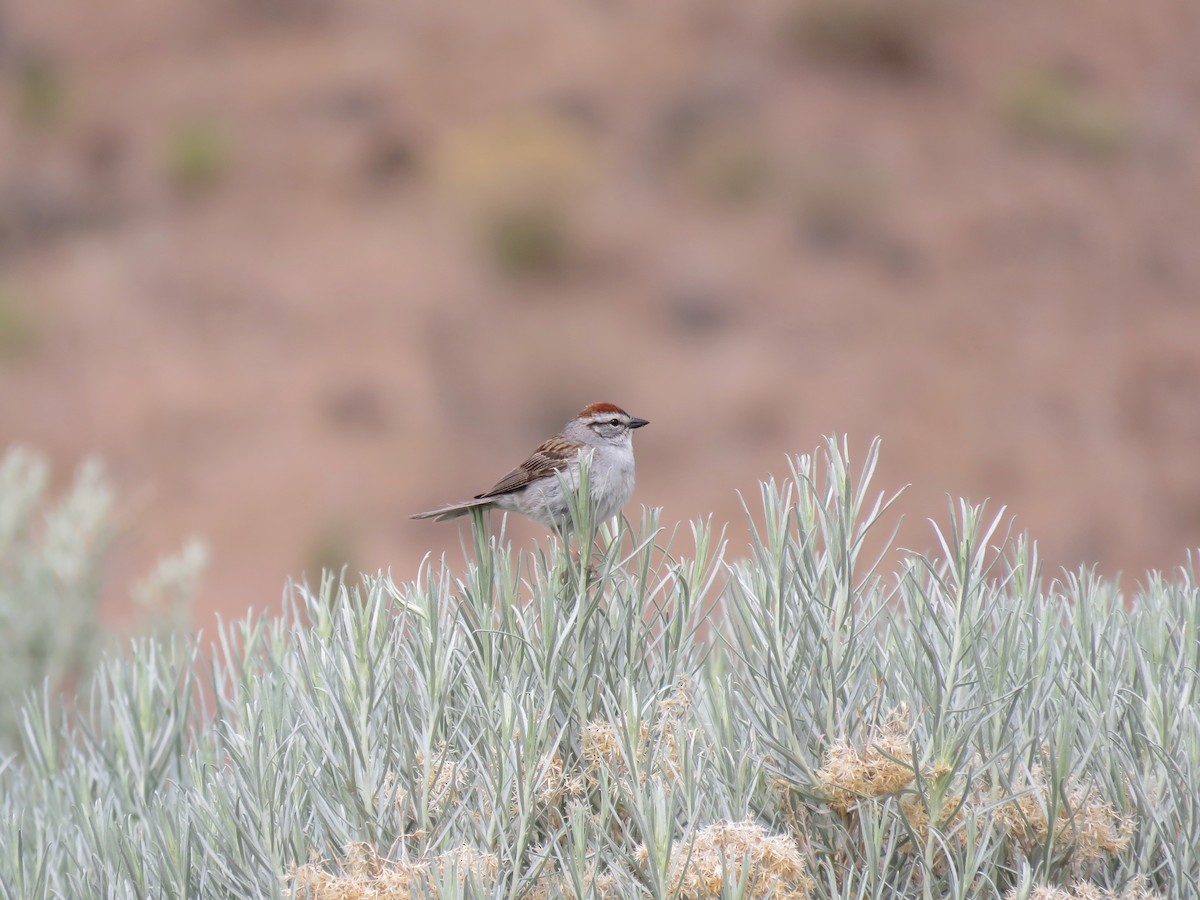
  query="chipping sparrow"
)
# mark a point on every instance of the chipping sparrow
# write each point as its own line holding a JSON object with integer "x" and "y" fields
{"x": 534, "y": 488}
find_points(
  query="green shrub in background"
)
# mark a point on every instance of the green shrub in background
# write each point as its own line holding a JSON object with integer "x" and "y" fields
{"x": 52, "y": 560}
{"x": 17, "y": 332}
{"x": 1059, "y": 109}
{"x": 197, "y": 155}
{"x": 639, "y": 722}
{"x": 50, "y": 578}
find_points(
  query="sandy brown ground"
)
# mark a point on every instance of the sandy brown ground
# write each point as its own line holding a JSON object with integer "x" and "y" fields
{"x": 249, "y": 254}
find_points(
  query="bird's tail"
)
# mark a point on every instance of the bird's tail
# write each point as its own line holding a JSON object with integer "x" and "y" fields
{"x": 454, "y": 510}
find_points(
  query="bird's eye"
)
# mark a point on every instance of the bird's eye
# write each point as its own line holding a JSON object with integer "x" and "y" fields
{"x": 614, "y": 421}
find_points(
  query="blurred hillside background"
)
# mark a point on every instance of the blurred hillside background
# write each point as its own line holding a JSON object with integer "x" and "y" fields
{"x": 298, "y": 268}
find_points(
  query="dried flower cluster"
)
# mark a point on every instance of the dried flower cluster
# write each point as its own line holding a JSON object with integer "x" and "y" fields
{"x": 1084, "y": 891}
{"x": 556, "y": 789}
{"x": 736, "y": 853}
{"x": 1085, "y": 824}
{"x": 445, "y": 781}
{"x": 851, "y": 773}
{"x": 554, "y": 885}
{"x": 444, "y": 784}
{"x": 557, "y": 784}
{"x": 1084, "y": 827}
{"x": 657, "y": 750}
{"x": 363, "y": 874}
{"x": 953, "y": 813}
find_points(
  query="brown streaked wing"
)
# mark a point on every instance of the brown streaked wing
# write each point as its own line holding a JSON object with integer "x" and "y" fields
{"x": 547, "y": 459}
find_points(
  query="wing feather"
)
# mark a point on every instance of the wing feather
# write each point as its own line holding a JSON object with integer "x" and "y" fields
{"x": 550, "y": 457}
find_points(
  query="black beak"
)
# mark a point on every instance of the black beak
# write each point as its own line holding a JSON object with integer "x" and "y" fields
{"x": 635, "y": 422}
